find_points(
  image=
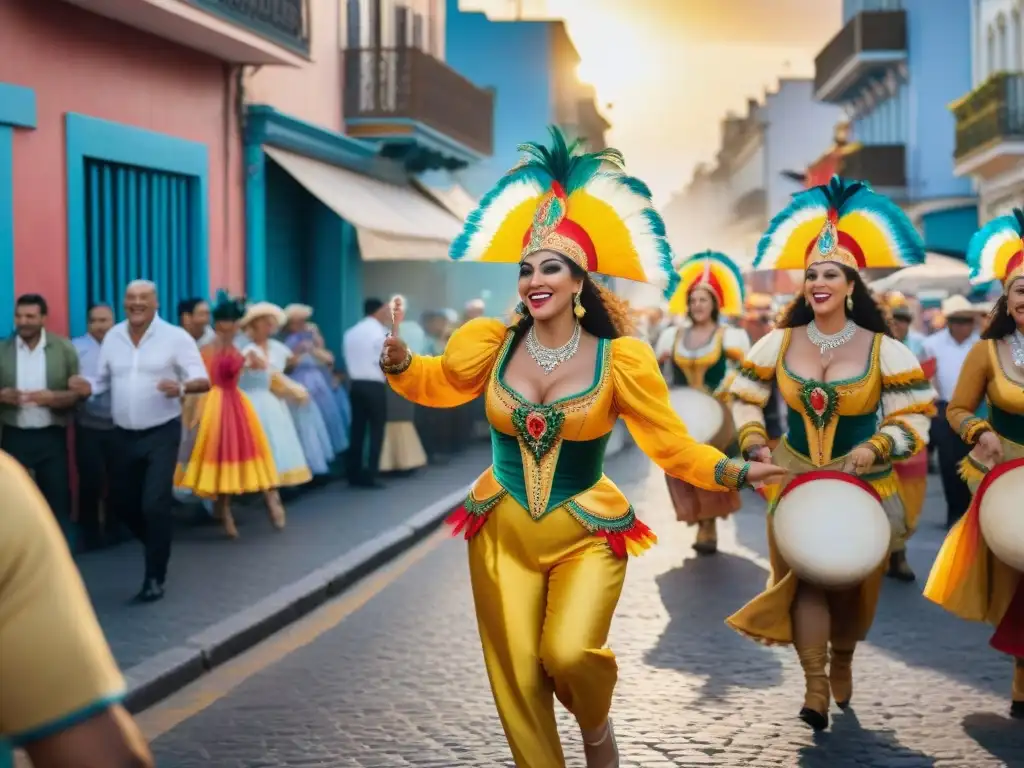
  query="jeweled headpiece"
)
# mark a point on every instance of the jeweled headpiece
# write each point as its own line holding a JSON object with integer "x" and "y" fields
{"x": 996, "y": 251}
{"x": 717, "y": 273}
{"x": 844, "y": 222}
{"x": 581, "y": 205}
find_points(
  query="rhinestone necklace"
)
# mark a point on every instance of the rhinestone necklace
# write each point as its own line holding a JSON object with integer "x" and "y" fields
{"x": 547, "y": 358}
{"x": 827, "y": 342}
{"x": 1017, "y": 348}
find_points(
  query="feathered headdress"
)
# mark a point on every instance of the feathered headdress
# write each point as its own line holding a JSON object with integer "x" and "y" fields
{"x": 227, "y": 308}
{"x": 843, "y": 222}
{"x": 581, "y": 205}
{"x": 996, "y": 251}
{"x": 714, "y": 271}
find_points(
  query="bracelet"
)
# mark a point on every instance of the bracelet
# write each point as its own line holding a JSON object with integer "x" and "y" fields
{"x": 741, "y": 481}
{"x": 731, "y": 473}
{"x": 394, "y": 369}
{"x": 748, "y": 452}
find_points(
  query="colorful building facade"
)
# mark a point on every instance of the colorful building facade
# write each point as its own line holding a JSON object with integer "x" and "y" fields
{"x": 895, "y": 66}
{"x": 120, "y": 155}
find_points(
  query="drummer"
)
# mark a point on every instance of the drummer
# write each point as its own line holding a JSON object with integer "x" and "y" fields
{"x": 705, "y": 355}
{"x": 856, "y": 400}
{"x": 967, "y": 579}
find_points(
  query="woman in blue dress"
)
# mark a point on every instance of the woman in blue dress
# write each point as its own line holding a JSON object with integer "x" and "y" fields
{"x": 311, "y": 368}
{"x": 266, "y": 389}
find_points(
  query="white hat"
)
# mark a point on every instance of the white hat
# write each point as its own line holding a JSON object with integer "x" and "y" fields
{"x": 958, "y": 306}
{"x": 262, "y": 309}
{"x": 298, "y": 311}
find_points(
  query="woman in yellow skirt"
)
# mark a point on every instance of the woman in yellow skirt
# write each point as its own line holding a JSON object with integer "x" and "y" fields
{"x": 229, "y": 454}
{"x": 549, "y": 533}
{"x": 836, "y": 368}
{"x": 705, "y": 355}
{"x": 966, "y": 578}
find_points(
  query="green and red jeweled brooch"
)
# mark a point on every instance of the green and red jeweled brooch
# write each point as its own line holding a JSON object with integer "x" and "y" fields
{"x": 820, "y": 400}
{"x": 538, "y": 427}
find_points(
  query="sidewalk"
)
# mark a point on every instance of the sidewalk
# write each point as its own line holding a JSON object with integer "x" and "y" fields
{"x": 224, "y": 596}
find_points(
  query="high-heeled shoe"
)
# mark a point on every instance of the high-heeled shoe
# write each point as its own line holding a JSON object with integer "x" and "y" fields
{"x": 227, "y": 520}
{"x": 275, "y": 508}
{"x": 816, "y": 696}
{"x": 609, "y": 733}
{"x": 840, "y": 675}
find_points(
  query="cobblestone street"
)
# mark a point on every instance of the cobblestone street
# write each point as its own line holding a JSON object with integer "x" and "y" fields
{"x": 395, "y": 676}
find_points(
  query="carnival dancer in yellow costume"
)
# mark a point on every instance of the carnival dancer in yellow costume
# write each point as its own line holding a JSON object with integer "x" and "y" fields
{"x": 705, "y": 355}
{"x": 966, "y": 578}
{"x": 549, "y": 533}
{"x": 856, "y": 401}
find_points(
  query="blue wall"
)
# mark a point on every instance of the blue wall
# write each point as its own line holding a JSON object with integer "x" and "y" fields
{"x": 312, "y": 257}
{"x": 949, "y": 231}
{"x": 514, "y": 58}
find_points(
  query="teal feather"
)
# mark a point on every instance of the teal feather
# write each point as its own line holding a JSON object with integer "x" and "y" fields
{"x": 227, "y": 308}
{"x": 1013, "y": 222}
{"x": 814, "y": 199}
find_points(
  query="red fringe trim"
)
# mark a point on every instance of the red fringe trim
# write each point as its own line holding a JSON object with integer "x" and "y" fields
{"x": 639, "y": 535}
{"x": 463, "y": 521}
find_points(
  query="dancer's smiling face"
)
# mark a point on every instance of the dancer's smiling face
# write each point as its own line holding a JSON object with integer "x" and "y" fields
{"x": 547, "y": 284}
{"x": 826, "y": 287}
{"x": 700, "y": 305}
{"x": 1015, "y": 302}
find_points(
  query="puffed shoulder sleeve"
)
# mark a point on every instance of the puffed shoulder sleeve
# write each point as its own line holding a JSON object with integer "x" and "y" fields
{"x": 751, "y": 389}
{"x": 641, "y": 398}
{"x": 736, "y": 344}
{"x": 908, "y": 401}
{"x": 55, "y": 666}
{"x": 961, "y": 413}
{"x": 459, "y": 374}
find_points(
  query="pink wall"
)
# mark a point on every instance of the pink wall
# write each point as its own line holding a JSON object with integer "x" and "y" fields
{"x": 79, "y": 62}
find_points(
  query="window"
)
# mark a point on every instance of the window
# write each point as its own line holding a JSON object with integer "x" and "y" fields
{"x": 17, "y": 110}
{"x": 138, "y": 225}
{"x": 393, "y": 24}
{"x": 137, "y": 208}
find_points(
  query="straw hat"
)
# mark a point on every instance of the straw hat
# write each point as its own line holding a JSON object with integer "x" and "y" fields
{"x": 262, "y": 309}
{"x": 958, "y": 306}
{"x": 298, "y": 312}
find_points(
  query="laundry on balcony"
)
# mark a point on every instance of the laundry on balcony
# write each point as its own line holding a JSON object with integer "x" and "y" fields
{"x": 392, "y": 222}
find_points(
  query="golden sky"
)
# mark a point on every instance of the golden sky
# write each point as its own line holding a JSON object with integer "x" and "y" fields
{"x": 671, "y": 69}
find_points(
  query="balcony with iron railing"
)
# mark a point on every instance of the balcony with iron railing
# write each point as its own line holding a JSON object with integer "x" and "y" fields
{"x": 990, "y": 126}
{"x": 865, "y": 47}
{"x": 880, "y": 165}
{"x": 418, "y": 107}
{"x": 238, "y": 31}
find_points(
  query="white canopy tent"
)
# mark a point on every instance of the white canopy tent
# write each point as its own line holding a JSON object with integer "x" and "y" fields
{"x": 938, "y": 273}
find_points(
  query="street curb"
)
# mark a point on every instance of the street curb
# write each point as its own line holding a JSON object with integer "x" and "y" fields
{"x": 161, "y": 675}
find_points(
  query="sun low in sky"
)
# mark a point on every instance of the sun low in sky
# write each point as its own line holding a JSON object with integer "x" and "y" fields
{"x": 672, "y": 69}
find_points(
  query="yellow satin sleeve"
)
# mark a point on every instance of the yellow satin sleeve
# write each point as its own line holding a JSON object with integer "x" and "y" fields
{"x": 641, "y": 398}
{"x": 460, "y": 374}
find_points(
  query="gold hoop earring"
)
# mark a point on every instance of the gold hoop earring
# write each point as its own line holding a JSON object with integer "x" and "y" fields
{"x": 849, "y": 303}
{"x": 577, "y": 306}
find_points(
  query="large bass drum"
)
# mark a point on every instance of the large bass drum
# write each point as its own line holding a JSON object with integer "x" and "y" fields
{"x": 831, "y": 529}
{"x": 999, "y": 508}
{"x": 707, "y": 419}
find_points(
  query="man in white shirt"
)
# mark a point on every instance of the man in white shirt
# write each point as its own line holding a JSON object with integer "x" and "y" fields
{"x": 148, "y": 366}
{"x": 945, "y": 352}
{"x": 36, "y": 402}
{"x": 363, "y": 343}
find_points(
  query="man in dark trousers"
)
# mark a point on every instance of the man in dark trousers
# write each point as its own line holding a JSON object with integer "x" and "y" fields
{"x": 36, "y": 401}
{"x": 94, "y": 439}
{"x": 148, "y": 366}
{"x": 362, "y": 346}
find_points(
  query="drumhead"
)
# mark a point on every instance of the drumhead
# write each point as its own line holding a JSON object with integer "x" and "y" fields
{"x": 831, "y": 528}
{"x": 999, "y": 506}
{"x": 703, "y": 415}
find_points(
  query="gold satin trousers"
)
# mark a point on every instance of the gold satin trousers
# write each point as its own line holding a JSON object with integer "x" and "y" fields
{"x": 545, "y": 591}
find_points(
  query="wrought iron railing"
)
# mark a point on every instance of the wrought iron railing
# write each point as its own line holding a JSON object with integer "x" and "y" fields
{"x": 992, "y": 112}
{"x": 865, "y": 32}
{"x": 409, "y": 83}
{"x": 285, "y": 22}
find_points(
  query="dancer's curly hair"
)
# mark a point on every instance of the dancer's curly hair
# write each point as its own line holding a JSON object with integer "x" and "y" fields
{"x": 607, "y": 316}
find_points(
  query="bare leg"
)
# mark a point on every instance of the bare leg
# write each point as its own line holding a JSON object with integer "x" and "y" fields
{"x": 707, "y": 537}
{"x": 275, "y": 508}
{"x": 1017, "y": 705}
{"x": 811, "y": 629}
{"x": 222, "y": 509}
